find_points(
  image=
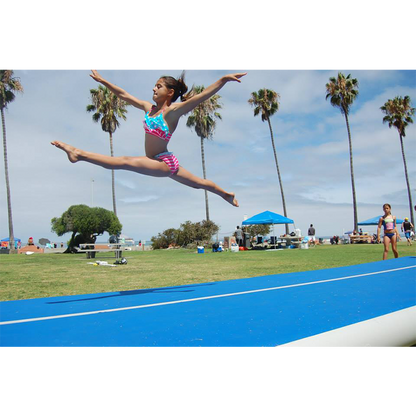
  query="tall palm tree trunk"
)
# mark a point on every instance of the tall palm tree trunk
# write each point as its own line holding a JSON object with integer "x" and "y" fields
{"x": 407, "y": 182}
{"x": 113, "y": 188}
{"x": 354, "y": 199}
{"x": 278, "y": 174}
{"x": 9, "y": 202}
{"x": 205, "y": 176}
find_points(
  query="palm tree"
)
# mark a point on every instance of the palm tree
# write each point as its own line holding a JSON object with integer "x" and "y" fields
{"x": 399, "y": 114}
{"x": 343, "y": 91}
{"x": 266, "y": 103}
{"x": 8, "y": 86}
{"x": 202, "y": 119}
{"x": 107, "y": 107}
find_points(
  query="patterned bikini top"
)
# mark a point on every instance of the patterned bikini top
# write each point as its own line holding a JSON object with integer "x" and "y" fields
{"x": 156, "y": 126}
{"x": 388, "y": 224}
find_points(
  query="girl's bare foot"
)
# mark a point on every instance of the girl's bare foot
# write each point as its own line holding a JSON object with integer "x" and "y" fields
{"x": 230, "y": 198}
{"x": 71, "y": 151}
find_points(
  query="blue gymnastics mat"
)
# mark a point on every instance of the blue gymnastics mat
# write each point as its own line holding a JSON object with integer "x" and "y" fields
{"x": 260, "y": 311}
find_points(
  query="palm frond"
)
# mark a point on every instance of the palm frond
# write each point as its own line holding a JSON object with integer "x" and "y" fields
{"x": 398, "y": 113}
{"x": 107, "y": 107}
{"x": 342, "y": 91}
{"x": 8, "y": 86}
{"x": 202, "y": 117}
{"x": 265, "y": 102}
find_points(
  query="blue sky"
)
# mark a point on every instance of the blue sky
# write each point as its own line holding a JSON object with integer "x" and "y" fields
{"x": 310, "y": 137}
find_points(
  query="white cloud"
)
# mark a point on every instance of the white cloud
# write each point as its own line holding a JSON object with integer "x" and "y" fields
{"x": 136, "y": 199}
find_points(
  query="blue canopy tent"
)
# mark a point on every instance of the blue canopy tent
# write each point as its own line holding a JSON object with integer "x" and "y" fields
{"x": 374, "y": 221}
{"x": 268, "y": 217}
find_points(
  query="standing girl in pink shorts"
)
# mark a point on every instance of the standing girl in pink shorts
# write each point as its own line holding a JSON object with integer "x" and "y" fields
{"x": 159, "y": 124}
{"x": 391, "y": 235}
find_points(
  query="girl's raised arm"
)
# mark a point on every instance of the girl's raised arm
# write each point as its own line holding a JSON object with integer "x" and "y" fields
{"x": 122, "y": 94}
{"x": 188, "y": 105}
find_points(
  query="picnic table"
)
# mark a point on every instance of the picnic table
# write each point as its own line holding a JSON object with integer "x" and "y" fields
{"x": 278, "y": 242}
{"x": 292, "y": 241}
{"x": 89, "y": 248}
{"x": 364, "y": 238}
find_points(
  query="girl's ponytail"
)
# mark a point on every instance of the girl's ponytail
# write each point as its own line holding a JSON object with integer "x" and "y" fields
{"x": 183, "y": 89}
{"x": 179, "y": 87}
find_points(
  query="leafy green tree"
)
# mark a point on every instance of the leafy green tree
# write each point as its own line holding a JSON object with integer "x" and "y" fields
{"x": 199, "y": 232}
{"x": 257, "y": 229}
{"x": 188, "y": 233}
{"x": 165, "y": 239}
{"x": 85, "y": 222}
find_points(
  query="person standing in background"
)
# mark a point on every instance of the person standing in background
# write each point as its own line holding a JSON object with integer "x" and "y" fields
{"x": 311, "y": 232}
{"x": 239, "y": 236}
{"x": 407, "y": 227}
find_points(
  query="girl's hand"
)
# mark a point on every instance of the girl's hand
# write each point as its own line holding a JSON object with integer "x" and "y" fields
{"x": 234, "y": 77}
{"x": 96, "y": 76}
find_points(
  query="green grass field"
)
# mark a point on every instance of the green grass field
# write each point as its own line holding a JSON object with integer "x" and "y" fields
{"x": 45, "y": 275}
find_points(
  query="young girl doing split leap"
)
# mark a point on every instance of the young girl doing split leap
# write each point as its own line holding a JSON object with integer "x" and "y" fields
{"x": 159, "y": 123}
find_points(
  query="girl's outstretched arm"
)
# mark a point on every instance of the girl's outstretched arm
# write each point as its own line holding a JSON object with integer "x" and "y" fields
{"x": 122, "y": 94}
{"x": 188, "y": 105}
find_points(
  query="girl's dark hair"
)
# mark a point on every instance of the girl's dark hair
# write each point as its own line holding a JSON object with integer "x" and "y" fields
{"x": 387, "y": 205}
{"x": 179, "y": 87}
